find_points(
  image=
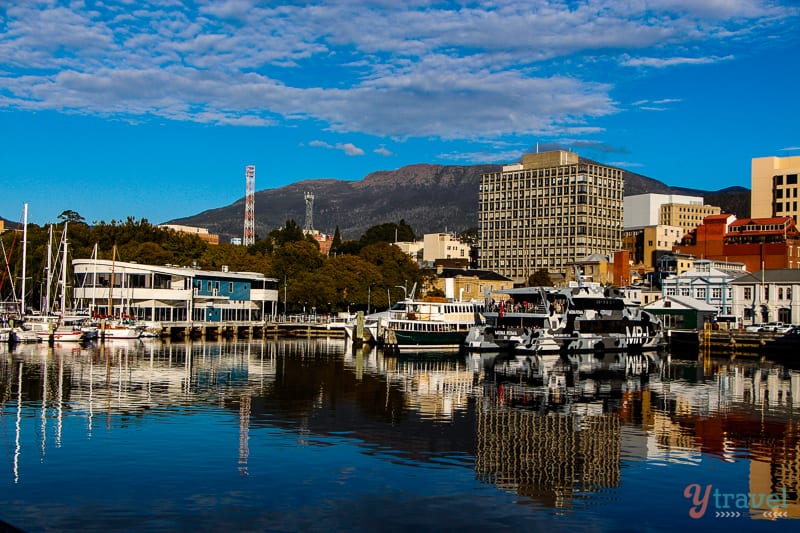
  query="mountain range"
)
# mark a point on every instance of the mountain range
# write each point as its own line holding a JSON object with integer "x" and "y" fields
{"x": 430, "y": 198}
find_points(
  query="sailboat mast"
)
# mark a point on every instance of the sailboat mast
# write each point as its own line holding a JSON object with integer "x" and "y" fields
{"x": 111, "y": 284}
{"x": 94, "y": 275}
{"x": 24, "y": 257}
{"x": 49, "y": 277}
{"x": 64, "y": 271}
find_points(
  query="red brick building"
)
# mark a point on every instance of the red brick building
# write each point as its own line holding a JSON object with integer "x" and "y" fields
{"x": 759, "y": 243}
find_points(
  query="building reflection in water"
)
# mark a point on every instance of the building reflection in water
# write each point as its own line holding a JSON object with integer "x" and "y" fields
{"x": 548, "y": 428}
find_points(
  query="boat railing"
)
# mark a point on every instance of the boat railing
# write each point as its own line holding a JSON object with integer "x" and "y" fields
{"x": 519, "y": 308}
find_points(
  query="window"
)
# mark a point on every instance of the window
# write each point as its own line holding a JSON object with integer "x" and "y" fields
{"x": 701, "y": 293}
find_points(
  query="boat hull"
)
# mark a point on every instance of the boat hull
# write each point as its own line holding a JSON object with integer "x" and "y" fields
{"x": 450, "y": 340}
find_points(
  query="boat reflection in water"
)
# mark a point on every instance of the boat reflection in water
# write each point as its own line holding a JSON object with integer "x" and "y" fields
{"x": 348, "y": 436}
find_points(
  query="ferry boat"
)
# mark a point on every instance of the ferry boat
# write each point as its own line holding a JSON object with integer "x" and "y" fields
{"x": 430, "y": 323}
{"x": 508, "y": 321}
{"x": 586, "y": 318}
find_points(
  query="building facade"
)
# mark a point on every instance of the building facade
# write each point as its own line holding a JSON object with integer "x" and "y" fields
{"x": 768, "y": 296}
{"x": 465, "y": 285}
{"x": 645, "y": 209}
{"x": 443, "y": 246}
{"x": 759, "y": 243}
{"x": 774, "y": 187}
{"x": 685, "y": 216}
{"x": 547, "y": 212}
{"x": 203, "y": 233}
{"x": 646, "y": 245}
{"x": 172, "y": 294}
{"x": 705, "y": 284}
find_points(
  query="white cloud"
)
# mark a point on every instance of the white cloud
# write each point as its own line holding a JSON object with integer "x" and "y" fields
{"x": 382, "y": 151}
{"x": 384, "y": 68}
{"x": 347, "y": 148}
{"x": 663, "y": 62}
{"x": 350, "y": 149}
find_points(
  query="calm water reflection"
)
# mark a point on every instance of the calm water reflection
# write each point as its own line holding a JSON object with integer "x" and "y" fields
{"x": 310, "y": 434}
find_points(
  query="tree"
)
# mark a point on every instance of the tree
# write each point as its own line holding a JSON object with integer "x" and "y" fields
{"x": 291, "y": 232}
{"x": 540, "y": 278}
{"x": 337, "y": 242}
{"x": 387, "y": 232}
{"x": 71, "y": 216}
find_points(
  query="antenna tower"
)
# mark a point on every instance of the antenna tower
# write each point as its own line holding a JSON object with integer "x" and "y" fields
{"x": 309, "y": 211}
{"x": 250, "y": 206}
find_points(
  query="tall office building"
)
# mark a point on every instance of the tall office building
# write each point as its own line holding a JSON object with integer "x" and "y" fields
{"x": 548, "y": 212}
{"x": 774, "y": 187}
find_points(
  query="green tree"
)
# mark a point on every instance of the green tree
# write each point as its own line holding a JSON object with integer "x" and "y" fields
{"x": 293, "y": 258}
{"x": 336, "y": 244}
{"x": 540, "y": 278}
{"x": 71, "y": 216}
{"x": 388, "y": 232}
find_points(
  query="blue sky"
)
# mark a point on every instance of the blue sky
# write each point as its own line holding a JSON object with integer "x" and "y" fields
{"x": 152, "y": 109}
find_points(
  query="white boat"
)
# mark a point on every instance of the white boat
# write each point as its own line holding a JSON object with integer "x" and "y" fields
{"x": 509, "y": 322}
{"x": 115, "y": 329}
{"x": 430, "y": 323}
{"x": 590, "y": 318}
{"x": 23, "y": 336}
{"x": 62, "y": 334}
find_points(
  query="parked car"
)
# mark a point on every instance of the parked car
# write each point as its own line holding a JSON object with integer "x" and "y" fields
{"x": 754, "y": 328}
{"x": 773, "y": 327}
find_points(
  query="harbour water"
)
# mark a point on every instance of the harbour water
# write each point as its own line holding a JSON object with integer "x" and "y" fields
{"x": 311, "y": 434}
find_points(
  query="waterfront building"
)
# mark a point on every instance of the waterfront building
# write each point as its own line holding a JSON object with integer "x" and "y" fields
{"x": 703, "y": 283}
{"x": 203, "y": 233}
{"x": 682, "y": 312}
{"x": 546, "y": 212}
{"x": 465, "y": 284}
{"x": 594, "y": 268}
{"x": 774, "y": 187}
{"x": 757, "y": 242}
{"x": 171, "y": 293}
{"x": 771, "y": 295}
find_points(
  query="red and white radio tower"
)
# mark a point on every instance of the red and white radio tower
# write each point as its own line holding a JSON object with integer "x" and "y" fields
{"x": 250, "y": 207}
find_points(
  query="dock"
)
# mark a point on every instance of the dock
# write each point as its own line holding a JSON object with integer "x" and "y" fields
{"x": 254, "y": 330}
{"x": 778, "y": 347}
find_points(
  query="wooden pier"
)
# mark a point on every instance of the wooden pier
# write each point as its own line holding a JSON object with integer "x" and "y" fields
{"x": 251, "y": 330}
{"x": 691, "y": 344}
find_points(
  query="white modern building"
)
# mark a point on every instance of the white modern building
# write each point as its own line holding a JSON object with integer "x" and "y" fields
{"x": 643, "y": 210}
{"x": 172, "y": 294}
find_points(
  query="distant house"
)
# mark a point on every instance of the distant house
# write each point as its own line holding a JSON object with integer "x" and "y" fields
{"x": 203, "y": 233}
{"x": 682, "y": 312}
